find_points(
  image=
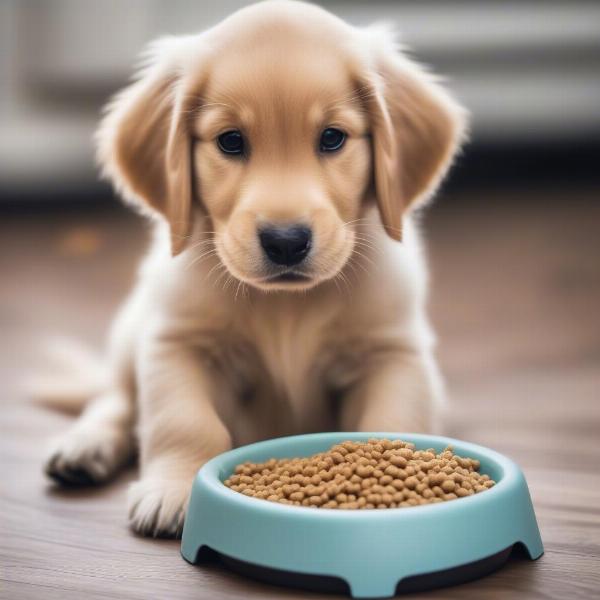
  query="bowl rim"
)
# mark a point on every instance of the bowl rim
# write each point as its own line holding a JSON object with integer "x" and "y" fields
{"x": 209, "y": 474}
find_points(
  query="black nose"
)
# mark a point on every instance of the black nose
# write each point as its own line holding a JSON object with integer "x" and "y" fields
{"x": 286, "y": 245}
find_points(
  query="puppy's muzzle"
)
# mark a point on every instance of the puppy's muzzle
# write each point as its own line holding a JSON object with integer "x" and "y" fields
{"x": 286, "y": 246}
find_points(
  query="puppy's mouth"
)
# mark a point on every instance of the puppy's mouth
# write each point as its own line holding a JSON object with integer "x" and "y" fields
{"x": 287, "y": 277}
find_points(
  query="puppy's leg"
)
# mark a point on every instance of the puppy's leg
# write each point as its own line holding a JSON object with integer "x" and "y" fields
{"x": 102, "y": 438}
{"x": 98, "y": 444}
{"x": 179, "y": 431}
{"x": 401, "y": 392}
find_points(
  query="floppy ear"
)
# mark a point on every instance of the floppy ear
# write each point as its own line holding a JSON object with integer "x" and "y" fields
{"x": 144, "y": 145}
{"x": 416, "y": 127}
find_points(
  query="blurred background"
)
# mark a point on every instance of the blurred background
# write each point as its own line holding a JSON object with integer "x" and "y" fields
{"x": 513, "y": 240}
{"x": 529, "y": 71}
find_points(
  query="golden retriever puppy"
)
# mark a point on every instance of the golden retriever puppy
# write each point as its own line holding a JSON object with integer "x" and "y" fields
{"x": 279, "y": 155}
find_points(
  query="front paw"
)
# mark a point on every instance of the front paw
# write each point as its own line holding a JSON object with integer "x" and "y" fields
{"x": 157, "y": 506}
{"x": 88, "y": 456}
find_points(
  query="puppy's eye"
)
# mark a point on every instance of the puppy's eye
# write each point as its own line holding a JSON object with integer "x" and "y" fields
{"x": 331, "y": 140}
{"x": 231, "y": 142}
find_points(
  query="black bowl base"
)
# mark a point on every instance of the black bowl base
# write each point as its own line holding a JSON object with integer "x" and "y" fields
{"x": 330, "y": 584}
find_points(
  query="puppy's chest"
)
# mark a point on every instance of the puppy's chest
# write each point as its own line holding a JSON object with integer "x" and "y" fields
{"x": 294, "y": 348}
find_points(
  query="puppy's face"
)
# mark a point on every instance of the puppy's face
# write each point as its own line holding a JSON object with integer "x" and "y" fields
{"x": 282, "y": 124}
{"x": 282, "y": 160}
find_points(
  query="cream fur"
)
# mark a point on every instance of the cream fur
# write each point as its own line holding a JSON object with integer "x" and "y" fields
{"x": 206, "y": 353}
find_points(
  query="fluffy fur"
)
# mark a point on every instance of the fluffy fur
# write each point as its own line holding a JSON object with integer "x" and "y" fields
{"x": 211, "y": 350}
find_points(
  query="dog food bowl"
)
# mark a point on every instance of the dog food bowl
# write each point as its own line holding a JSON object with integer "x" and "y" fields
{"x": 367, "y": 553}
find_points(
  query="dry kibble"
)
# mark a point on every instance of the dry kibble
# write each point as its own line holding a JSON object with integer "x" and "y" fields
{"x": 411, "y": 482}
{"x": 398, "y": 461}
{"x": 448, "y": 485}
{"x": 375, "y": 474}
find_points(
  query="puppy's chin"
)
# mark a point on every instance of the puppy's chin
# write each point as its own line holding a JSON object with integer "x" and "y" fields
{"x": 289, "y": 280}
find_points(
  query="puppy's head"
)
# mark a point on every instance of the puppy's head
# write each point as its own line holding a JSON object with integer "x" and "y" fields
{"x": 283, "y": 125}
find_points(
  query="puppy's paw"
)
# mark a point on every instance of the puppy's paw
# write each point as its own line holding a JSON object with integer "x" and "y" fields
{"x": 157, "y": 506}
{"x": 88, "y": 456}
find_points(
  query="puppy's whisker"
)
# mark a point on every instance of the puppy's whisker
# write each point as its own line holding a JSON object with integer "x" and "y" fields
{"x": 368, "y": 241}
{"x": 351, "y": 222}
{"x": 352, "y": 265}
{"x": 230, "y": 280}
{"x": 345, "y": 281}
{"x": 199, "y": 259}
{"x": 223, "y": 274}
{"x": 364, "y": 238}
{"x": 191, "y": 235}
{"x": 352, "y": 262}
{"x": 218, "y": 267}
{"x": 200, "y": 248}
{"x": 364, "y": 256}
{"x": 336, "y": 285}
{"x": 237, "y": 289}
{"x": 201, "y": 243}
{"x": 369, "y": 247}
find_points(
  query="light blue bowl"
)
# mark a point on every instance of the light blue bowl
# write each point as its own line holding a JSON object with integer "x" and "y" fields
{"x": 375, "y": 552}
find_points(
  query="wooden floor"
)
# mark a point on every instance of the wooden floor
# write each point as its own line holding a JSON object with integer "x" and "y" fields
{"x": 516, "y": 301}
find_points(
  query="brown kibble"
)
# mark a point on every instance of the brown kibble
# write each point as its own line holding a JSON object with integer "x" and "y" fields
{"x": 411, "y": 482}
{"x": 402, "y": 474}
{"x": 448, "y": 485}
{"x": 398, "y": 461}
{"x": 337, "y": 458}
{"x": 378, "y": 474}
{"x": 374, "y": 498}
{"x": 392, "y": 470}
{"x": 437, "y": 478}
{"x": 326, "y": 476}
{"x": 398, "y": 484}
{"x": 364, "y": 470}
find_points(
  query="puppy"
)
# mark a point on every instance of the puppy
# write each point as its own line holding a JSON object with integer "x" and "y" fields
{"x": 279, "y": 156}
